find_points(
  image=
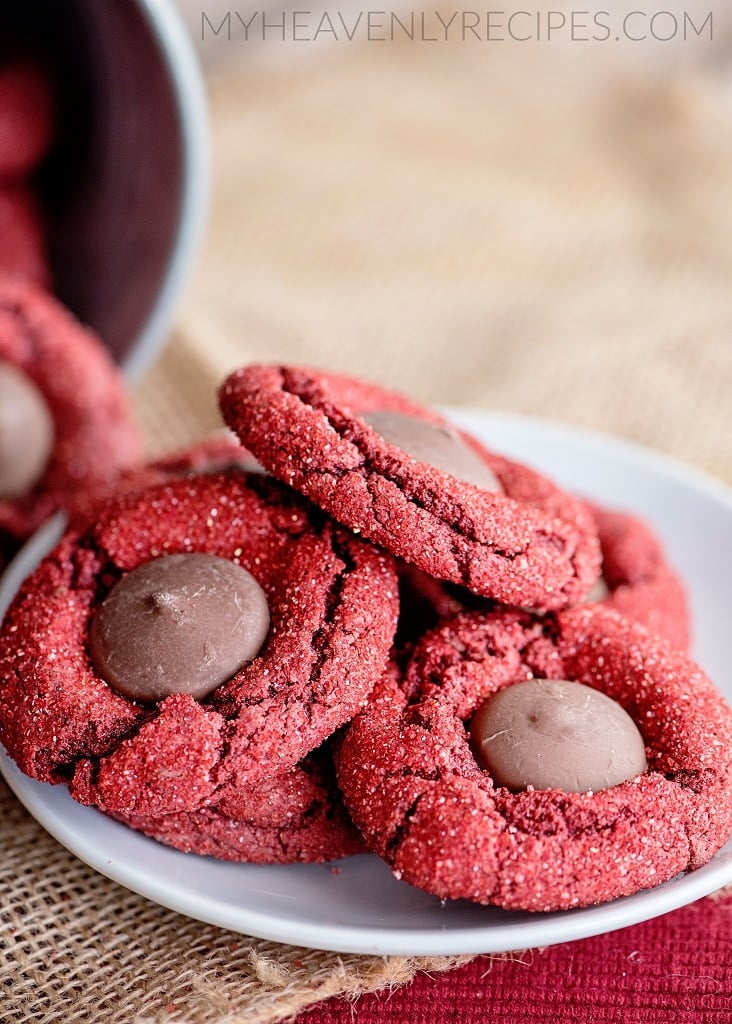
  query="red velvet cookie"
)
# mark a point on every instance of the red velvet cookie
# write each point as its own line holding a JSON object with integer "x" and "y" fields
{"x": 642, "y": 585}
{"x": 74, "y": 428}
{"x": 636, "y": 581}
{"x": 295, "y": 817}
{"x": 22, "y": 242}
{"x": 26, "y": 117}
{"x": 418, "y": 793}
{"x": 216, "y": 452}
{"x": 530, "y": 544}
{"x": 332, "y": 604}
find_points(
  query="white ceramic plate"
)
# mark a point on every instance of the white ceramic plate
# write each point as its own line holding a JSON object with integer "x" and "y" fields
{"x": 356, "y": 905}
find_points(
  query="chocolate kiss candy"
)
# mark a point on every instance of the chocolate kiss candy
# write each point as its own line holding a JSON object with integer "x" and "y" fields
{"x": 178, "y": 624}
{"x": 26, "y": 432}
{"x": 438, "y": 446}
{"x": 555, "y": 734}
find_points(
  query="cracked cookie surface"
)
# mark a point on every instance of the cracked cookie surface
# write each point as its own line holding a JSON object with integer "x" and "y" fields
{"x": 415, "y": 789}
{"x": 530, "y": 545}
{"x": 333, "y": 605}
{"x": 637, "y": 581}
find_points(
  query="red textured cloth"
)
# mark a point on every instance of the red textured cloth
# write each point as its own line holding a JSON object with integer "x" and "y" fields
{"x": 675, "y": 969}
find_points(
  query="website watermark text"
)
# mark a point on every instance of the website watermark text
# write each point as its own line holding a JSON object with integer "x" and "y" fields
{"x": 433, "y": 26}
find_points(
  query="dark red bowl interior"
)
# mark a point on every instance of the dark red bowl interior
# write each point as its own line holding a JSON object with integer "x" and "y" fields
{"x": 112, "y": 187}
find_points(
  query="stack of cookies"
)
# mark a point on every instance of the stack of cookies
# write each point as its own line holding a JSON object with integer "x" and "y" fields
{"x": 351, "y": 627}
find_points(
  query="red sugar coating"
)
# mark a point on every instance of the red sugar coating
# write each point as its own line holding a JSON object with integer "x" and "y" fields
{"x": 416, "y": 791}
{"x": 22, "y": 241}
{"x": 26, "y": 118}
{"x": 532, "y": 545}
{"x": 220, "y": 450}
{"x": 217, "y": 451}
{"x": 295, "y": 817}
{"x": 53, "y": 708}
{"x": 333, "y": 604}
{"x": 95, "y": 436}
{"x": 643, "y": 586}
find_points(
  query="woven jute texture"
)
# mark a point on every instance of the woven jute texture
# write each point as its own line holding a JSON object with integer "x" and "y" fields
{"x": 543, "y": 231}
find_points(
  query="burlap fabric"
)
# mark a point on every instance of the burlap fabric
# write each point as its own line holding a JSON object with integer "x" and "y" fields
{"x": 541, "y": 230}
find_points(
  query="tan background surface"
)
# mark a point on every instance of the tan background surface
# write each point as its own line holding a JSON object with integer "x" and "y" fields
{"x": 543, "y": 230}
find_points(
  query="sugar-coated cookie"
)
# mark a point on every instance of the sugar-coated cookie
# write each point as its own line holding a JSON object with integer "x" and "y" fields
{"x": 217, "y": 451}
{"x": 294, "y": 817}
{"x": 496, "y": 527}
{"x": 65, "y": 419}
{"x": 415, "y": 787}
{"x": 331, "y": 602}
{"x": 637, "y": 579}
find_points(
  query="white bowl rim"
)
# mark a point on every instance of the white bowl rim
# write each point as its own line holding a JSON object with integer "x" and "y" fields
{"x": 190, "y": 99}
